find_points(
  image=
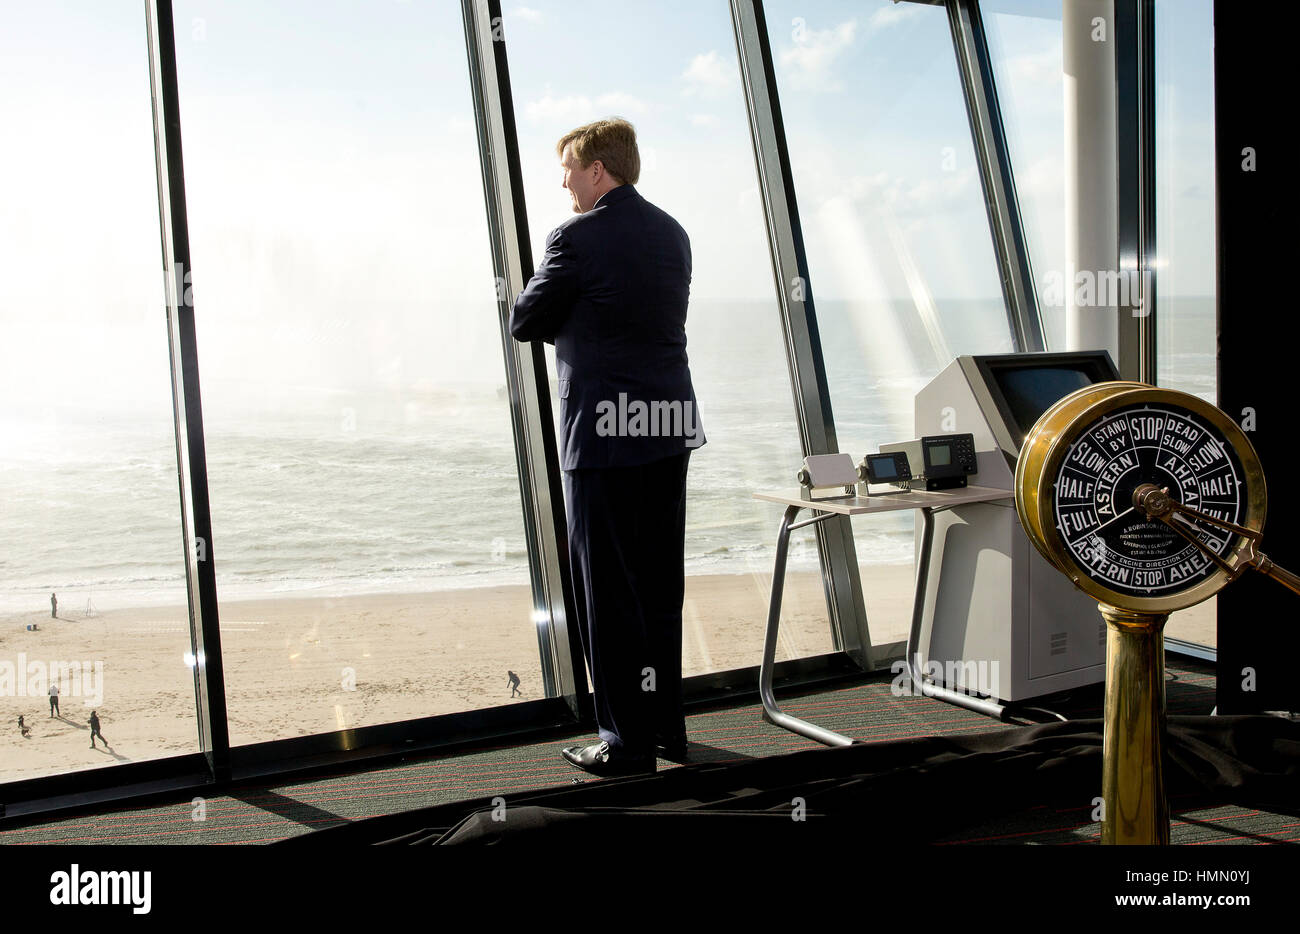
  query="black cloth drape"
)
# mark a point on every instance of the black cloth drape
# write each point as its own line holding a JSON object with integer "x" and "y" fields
{"x": 919, "y": 789}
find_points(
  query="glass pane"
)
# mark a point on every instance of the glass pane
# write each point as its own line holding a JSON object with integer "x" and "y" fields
{"x": 679, "y": 85}
{"x": 1024, "y": 39}
{"x": 1186, "y": 338}
{"x": 92, "y": 562}
{"x": 1185, "y": 260}
{"x": 899, "y": 251}
{"x": 369, "y": 539}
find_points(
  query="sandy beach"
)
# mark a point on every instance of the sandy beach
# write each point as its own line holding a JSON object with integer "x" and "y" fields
{"x": 299, "y": 666}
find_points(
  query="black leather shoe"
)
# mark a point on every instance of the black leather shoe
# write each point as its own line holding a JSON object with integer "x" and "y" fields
{"x": 672, "y": 750}
{"x": 598, "y": 760}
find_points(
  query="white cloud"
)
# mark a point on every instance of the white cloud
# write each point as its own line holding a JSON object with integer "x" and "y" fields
{"x": 526, "y": 13}
{"x": 893, "y": 15}
{"x": 708, "y": 73}
{"x": 459, "y": 126}
{"x": 579, "y": 108}
{"x": 1041, "y": 69}
{"x": 878, "y": 187}
{"x": 703, "y": 120}
{"x": 925, "y": 196}
{"x": 1042, "y": 178}
{"x": 810, "y": 59}
{"x": 749, "y": 200}
{"x": 619, "y": 103}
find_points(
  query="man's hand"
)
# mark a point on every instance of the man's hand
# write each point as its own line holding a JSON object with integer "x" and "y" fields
{"x": 543, "y": 306}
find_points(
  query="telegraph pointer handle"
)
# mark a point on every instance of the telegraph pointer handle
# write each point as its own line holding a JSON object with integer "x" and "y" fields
{"x": 1158, "y": 504}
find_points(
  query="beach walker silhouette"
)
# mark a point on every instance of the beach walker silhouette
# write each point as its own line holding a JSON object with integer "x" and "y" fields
{"x": 513, "y": 683}
{"x": 54, "y": 607}
{"x": 94, "y": 730}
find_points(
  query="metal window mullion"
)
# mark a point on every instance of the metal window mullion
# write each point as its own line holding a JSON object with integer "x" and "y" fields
{"x": 807, "y": 367}
{"x": 1135, "y": 139}
{"x": 191, "y": 456}
{"x": 1147, "y": 185}
{"x": 996, "y": 177}
{"x": 1127, "y": 177}
{"x": 537, "y": 458}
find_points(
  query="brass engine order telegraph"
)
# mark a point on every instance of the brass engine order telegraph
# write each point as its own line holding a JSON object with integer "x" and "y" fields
{"x": 1150, "y": 501}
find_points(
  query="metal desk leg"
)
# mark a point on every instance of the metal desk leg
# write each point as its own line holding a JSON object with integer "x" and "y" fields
{"x": 991, "y": 708}
{"x": 771, "y": 713}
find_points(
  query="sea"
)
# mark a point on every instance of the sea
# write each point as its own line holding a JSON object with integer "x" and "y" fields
{"x": 340, "y": 489}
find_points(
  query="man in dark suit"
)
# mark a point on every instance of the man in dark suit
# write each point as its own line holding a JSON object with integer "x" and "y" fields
{"x": 611, "y": 295}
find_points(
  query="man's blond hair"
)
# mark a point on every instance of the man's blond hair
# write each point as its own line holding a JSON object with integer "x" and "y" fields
{"x": 612, "y": 141}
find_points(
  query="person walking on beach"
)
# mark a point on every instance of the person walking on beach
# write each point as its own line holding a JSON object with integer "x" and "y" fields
{"x": 513, "y": 683}
{"x": 94, "y": 730}
{"x": 54, "y": 700}
{"x": 54, "y": 607}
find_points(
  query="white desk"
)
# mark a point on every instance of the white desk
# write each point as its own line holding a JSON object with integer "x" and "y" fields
{"x": 928, "y": 503}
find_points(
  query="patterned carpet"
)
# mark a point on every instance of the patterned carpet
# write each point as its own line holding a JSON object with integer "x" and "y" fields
{"x": 866, "y": 710}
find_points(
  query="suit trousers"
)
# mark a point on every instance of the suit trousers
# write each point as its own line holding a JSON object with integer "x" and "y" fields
{"x": 627, "y": 535}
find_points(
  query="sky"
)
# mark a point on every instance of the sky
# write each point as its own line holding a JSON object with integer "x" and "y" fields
{"x": 335, "y": 198}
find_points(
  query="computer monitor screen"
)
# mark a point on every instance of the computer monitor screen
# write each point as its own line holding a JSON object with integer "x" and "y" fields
{"x": 1025, "y": 385}
{"x": 1030, "y": 391}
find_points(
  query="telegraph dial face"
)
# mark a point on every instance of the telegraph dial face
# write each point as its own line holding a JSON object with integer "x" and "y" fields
{"x": 1077, "y": 474}
{"x": 1116, "y": 542}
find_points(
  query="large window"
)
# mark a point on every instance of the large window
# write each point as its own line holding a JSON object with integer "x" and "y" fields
{"x": 903, "y": 271}
{"x": 671, "y": 70}
{"x": 368, "y": 533}
{"x": 92, "y": 564}
{"x": 1185, "y": 240}
{"x": 1186, "y": 329}
{"x": 1024, "y": 40}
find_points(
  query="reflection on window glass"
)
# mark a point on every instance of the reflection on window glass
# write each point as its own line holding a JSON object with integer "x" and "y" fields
{"x": 1186, "y": 340}
{"x": 369, "y": 544}
{"x": 92, "y": 572}
{"x": 899, "y": 251}
{"x": 1024, "y": 39}
{"x": 678, "y": 83}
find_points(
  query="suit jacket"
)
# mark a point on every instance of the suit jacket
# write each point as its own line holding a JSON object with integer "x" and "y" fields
{"x": 611, "y": 295}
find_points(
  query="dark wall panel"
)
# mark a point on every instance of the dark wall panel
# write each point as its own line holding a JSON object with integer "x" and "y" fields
{"x": 1259, "y": 620}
